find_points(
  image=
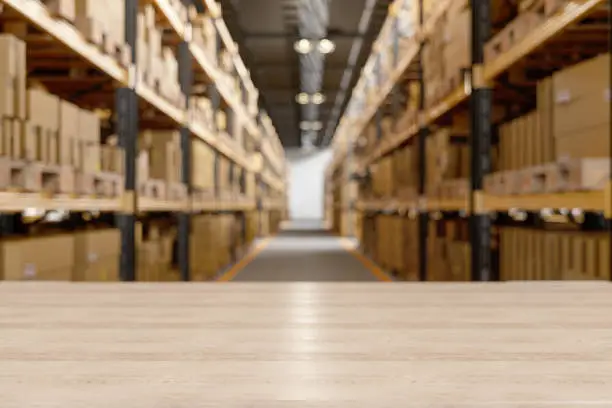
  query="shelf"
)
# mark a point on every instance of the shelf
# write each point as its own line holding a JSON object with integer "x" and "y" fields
{"x": 446, "y": 105}
{"x": 68, "y": 36}
{"x": 587, "y": 201}
{"x": 17, "y": 202}
{"x": 153, "y": 205}
{"x": 573, "y": 12}
{"x": 169, "y": 13}
{"x": 389, "y": 145}
{"x": 272, "y": 204}
{"x": 209, "y": 68}
{"x": 276, "y": 183}
{"x": 355, "y": 127}
{"x": 596, "y": 201}
{"x": 224, "y": 205}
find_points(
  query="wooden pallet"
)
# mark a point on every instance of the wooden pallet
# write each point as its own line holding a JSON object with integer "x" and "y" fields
{"x": 502, "y": 183}
{"x": 177, "y": 191}
{"x": 578, "y": 175}
{"x": 21, "y": 175}
{"x": 155, "y": 189}
{"x": 532, "y": 180}
{"x": 100, "y": 184}
{"x": 512, "y": 34}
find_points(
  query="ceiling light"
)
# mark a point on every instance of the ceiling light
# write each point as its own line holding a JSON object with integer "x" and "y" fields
{"x": 318, "y": 98}
{"x": 326, "y": 46}
{"x": 307, "y": 125}
{"x": 303, "y": 46}
{"x": 302, "y": 98}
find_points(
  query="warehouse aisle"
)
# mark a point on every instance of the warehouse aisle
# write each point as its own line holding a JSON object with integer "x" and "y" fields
{"x": 304, "y": 251}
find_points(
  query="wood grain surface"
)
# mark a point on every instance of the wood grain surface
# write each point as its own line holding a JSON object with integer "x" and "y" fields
{"x": 269, "y": 345}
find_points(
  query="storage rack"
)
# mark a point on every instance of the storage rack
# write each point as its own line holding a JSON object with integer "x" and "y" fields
{"x": 135, "y": 102}
{"x": 475, "y": 97}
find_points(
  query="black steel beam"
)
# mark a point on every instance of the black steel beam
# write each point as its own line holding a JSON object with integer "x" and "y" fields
{"x": 480, "y": 114}
{"x": 126, "y": 109}
{"x": 423, "y": 218}
{"x": 184, "y": 217}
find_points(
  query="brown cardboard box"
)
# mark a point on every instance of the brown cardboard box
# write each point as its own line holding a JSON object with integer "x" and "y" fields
{"x": 97, "y": 255}
{"x": 12, "y": 77}
{"x": 88, "y": 126}
{"x": 69, "y": 134}
{"x": 38, "y": 258}
{"x": 582, "y": 109}
{"x": 545, "y": 111}
{"x": 64, "y": 9}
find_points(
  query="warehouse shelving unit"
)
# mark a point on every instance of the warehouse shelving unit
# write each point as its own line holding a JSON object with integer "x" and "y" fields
{"x": 480, "y": 92}
{"x": 115, "y": 85}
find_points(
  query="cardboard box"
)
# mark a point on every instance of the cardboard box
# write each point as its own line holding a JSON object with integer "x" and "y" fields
{"x": 70, "y": 153}
{"x": 582, "y": 109}
{"x": 96, "y": 255}
{"x": 38, "y": 258}
{"x": 12, "y": 77}
{"x": 88, "y": 126}
{"x": 65, "y": 9}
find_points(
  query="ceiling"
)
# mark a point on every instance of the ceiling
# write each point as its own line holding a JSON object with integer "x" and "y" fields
{"x": 266, "y": 31}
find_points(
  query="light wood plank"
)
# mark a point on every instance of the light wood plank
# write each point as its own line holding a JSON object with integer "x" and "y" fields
{"x": 305, "y": 345}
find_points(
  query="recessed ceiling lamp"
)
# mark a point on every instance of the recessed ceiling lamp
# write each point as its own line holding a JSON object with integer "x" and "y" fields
{"x": 303, "y": 46}
{"x": 302, "y": 98}
{"x": 318, "y": 98}
{"x": 326, "y": 46}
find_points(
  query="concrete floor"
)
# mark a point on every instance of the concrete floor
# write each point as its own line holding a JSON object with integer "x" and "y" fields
{"x": 304, "y": 252}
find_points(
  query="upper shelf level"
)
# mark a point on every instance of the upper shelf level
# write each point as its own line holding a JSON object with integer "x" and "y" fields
{"x": 67, "y": 36}
{"x": 368, "y": 98}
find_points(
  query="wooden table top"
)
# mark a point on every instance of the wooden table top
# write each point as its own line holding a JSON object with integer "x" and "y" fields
{"x": 269, "y": 345}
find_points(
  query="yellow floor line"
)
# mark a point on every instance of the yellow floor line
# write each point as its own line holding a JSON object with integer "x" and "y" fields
{"x": 368, "y": 264}
{"x": 247, "y": 259}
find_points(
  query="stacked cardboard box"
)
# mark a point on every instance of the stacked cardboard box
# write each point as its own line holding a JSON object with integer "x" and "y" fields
{"x": 102, "y": 22}
{"x": 447, "y": 164}
{"x": 382, "y": 178}
{"x": 155, "y": 254}
{"x": 96, "y": 255}
{"x": 201, "y": 111}
{"x": 205, "y": 34}
{"x": 564, "y": 144}
{"x": 449, "y": 253}
{"x": 13, "y": 96}
{"x": 112, "y": 157}
{"x": 158, "y": 65}
{"x": 581, "y": 109}
{"x": 38, "y": 258}
{"x": 529, "y": 254}
{"x": 163, "y": 151}
{"x": 447, "y": 53}
{"x": 209, "y": 245}
{"x": 42, "y": 138}
{"x": 405, "y": 171}
{"x": 203, "y": 162}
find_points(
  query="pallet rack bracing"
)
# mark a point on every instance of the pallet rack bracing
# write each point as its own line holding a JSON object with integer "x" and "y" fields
{"x": 248, "y": 157}
{"x": 499, "y": 103}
